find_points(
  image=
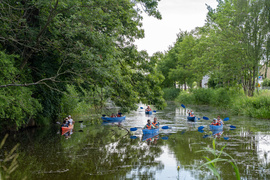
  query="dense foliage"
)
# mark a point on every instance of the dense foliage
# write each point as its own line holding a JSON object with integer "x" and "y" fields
{"x": 229, "y": 48}
{"x": 47, "y": 45}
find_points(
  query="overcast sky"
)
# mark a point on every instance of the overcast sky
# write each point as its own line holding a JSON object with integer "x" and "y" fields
{"x": 176, "y": 14}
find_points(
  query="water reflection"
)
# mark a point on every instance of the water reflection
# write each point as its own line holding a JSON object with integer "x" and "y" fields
{"x": 111, "y": 152}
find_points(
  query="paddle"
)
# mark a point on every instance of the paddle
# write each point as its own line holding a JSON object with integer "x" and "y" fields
{"x": 200, "y": 128}
{"x": 154, "y": 111}
{"x": 226, "y": 119}
{"x": 165, "y": 138}
{"x": 166, "y": 127}
{"x": 133, "y": 137}
{"x": 141, "y": 107}
{"x": 183, "y": 106}
{"x": 226, "y": 138}
{"x": 205, "y": 118}
{"x": 133, "y": 129}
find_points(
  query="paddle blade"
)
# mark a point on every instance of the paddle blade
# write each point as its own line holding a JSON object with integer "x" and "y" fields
{"x": 165, "y": 127}
{"x": 165, "y": 138}
{"x": 205, "y": 118}
{"x": 226, "y": 119}
{"x": 233, "y": 127}
{"x": 133, "y": 137}
{"x": 200, "y": 128}
{"x": 183, "y": 106}
{"x": 154, "y": 111}
{"x": 199, "y": 118}
{"x": 133, "y": 129}
{"x": 226, "y": 138}
{"x": 205, "y": 136}
{"x": 201, "y": 131}
{"x": 141, "y": 107}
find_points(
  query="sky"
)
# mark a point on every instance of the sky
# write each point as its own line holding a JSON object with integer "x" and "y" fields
{"x": 176, "y": 15}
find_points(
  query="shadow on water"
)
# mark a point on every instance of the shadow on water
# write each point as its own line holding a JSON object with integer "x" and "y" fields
{"x": 110, "y": 152}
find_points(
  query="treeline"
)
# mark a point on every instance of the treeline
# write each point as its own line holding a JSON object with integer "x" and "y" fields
{"x": 230, "y": 48}
{"x": 55, "y": 54}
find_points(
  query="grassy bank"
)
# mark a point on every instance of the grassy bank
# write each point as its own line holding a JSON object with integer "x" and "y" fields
{"x": 232, "y": 100}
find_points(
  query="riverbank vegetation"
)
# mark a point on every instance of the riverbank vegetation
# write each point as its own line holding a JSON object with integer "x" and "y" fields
{"x": 229, "y": 49}
{"x": 59, "y": 57}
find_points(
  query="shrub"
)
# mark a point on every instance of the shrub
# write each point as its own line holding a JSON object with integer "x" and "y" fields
{"x": 170, "y": 93}
{"x": 266, "y": 82}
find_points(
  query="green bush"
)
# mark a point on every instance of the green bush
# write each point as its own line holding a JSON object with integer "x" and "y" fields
{"x": 185, "y": 97}
{"x": 266, "y": 82}
{"x": 170, "y": 93}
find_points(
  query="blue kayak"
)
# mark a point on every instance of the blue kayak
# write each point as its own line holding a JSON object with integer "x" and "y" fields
{"x": 148, "y": 112}
{"x": 113, "y": 119}
{"x": 213, "y": 128}
{"x": 147, "y": 136}
{"x": 150, "y": 131}
{"x": 189, "y": 118}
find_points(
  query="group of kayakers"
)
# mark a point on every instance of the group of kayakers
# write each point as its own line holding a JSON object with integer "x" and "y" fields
{"x": 153, "y": 125}
{"x": 119, "y": 114}
{"x": 217, "y": 122}
{"x": 68, "y": 121}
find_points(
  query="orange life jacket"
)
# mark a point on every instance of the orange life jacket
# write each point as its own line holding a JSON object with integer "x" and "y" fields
{"x": 148, "y": 126}
{"x": 118, "y": 115}
{"x": 191, "y": 115}
{"x": 154, "y": 123}
{"x": 215, "y": 124}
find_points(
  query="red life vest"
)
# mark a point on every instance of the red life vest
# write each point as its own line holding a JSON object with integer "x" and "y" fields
{"x": 148, "y": 126}
{"x": 191, "y": 115}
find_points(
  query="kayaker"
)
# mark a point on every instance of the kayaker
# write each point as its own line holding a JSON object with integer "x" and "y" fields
{"x": 188, "y": 112}
{"x": 149, "y": 125}
{"x": 215, "y": 123}
{"x": 119, "y": 114}
{"x": 191, "y": 113}
{"x": 70, "y": 120}
{"x": 219, "y": 120}
{"x": 148, "y": 108}
{"x": 113, "y": 116}
{"x": 64, "y": 123}
{"x": 155, "y": 123}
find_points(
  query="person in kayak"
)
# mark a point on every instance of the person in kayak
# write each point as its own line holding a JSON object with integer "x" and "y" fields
{"x": 219, "y": 121}
{"x": 70, "y": 120}
{"x": 113, "y": 116}
{"x": 64, "y": 123}
{"x": 148, "y": 108}
{"x": 155, "y": 123}
{"x": 215, "y": 123}
{"x": 119, "y": 114}
{"x": 149, "y": 125}
{"x": 191, "y": 113}
{"x": 188, "y": 112}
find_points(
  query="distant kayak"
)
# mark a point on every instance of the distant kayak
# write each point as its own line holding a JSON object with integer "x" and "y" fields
{"x": 189, "y": 118}
{"x": 213, "y": 128}
{"x": 150, "y": 131}
{"x": 113, "y": 119}
{"x": 148, "y": 112}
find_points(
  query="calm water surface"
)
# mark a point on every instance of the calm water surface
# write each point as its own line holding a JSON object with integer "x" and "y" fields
{"x": 108, "y": 152}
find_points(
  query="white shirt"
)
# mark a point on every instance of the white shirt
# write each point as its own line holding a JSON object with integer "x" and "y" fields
{"x": 70, "y": 121}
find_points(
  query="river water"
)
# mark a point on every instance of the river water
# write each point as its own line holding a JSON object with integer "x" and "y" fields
{"x": 108, "y": 152}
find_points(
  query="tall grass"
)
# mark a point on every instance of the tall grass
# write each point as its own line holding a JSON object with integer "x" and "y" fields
{"x": 9, "y": 163}
{"x": 219, "y": 156}
{"x": 233, "y": 100}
